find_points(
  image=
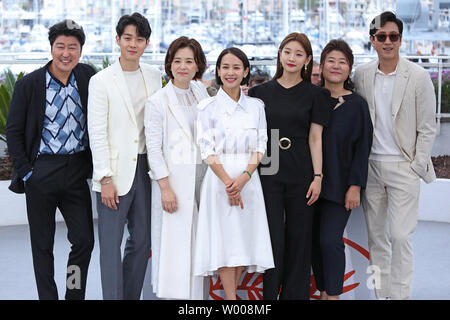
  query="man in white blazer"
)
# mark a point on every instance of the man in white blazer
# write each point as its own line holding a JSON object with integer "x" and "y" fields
{"x": 402, "y": 106}
{"x": 120, "y": 168}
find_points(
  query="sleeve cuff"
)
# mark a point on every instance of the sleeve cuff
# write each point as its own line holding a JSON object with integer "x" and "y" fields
{"x": 158, "y": 173}
{"x": 98, "y": 175}
{"x": 205, "y": 154}
{"x": 27, "y": 176}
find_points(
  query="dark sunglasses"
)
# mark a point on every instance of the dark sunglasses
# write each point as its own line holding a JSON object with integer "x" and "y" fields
{"x": 381, "y": 37}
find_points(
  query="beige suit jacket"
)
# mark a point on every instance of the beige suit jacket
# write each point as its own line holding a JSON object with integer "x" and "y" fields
{"x": 413, "y": 111}
{"x": 113, "y": 130}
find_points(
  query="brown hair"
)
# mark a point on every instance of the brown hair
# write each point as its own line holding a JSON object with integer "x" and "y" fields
{"x": 185, "y": 42}
{"x": 304, "y": 42}
{"x": 341, "y": 46}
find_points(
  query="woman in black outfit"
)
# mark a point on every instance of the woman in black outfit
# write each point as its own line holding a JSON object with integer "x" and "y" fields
{"x": 346, "y": 146}
{"x": 296, "y": 112}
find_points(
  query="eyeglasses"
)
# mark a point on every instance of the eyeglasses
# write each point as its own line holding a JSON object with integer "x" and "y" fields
{"x": 381, "y": 37}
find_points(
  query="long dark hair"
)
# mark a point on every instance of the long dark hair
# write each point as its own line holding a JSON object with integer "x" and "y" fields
{"x": 306, "y": 44}
{"x": 342, "y": 46}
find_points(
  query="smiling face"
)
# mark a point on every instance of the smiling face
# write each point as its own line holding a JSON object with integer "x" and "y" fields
{"x": 231, "y": 71}
{"x": 335, "y": 69}
{"x": 293, "y": 57}
{"x": 66, "y": 52}
{"x": 183, "y": 67}
{"x": 132, "y": 45}
{"x": 388, "y": 49}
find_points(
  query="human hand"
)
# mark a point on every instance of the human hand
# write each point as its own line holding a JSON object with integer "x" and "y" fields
{"x": 236, "y": 201}
{"x": 235, "y": 187}
{"x": 168, "y": 200}
{"x": 314, "y": 190}
{"x": 110, "y": 197}
{"x": 352, "y": 197}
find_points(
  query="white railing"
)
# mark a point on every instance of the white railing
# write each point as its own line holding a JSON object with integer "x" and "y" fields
{"x": 438, "y": 64}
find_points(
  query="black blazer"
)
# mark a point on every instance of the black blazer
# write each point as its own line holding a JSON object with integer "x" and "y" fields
{"x": 26, "y": 119}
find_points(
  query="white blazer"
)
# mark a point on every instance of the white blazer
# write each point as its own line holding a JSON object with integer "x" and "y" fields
{"x": 413, "y": 111}
{"x": 112, "y": 127}
{"x": 173, "y": 153}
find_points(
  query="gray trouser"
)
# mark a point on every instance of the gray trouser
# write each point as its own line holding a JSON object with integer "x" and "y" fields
{"x": 124, "y": 279}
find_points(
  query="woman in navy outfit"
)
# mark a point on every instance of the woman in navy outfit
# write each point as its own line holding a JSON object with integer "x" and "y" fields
{"x": 346, "y": 146}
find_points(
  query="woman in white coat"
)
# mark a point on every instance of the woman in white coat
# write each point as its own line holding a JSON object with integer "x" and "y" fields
{"x": 176, "y": 170}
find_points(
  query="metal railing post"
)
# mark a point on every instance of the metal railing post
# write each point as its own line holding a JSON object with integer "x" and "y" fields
{"x": 439, "y": 98}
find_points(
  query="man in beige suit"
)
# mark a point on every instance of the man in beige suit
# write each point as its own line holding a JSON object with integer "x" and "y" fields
{"x": 120, "y": 177}
{"x": 402, "y": 106}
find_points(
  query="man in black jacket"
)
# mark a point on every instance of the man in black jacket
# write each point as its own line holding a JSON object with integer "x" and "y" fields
{"x": 47, "y": 139}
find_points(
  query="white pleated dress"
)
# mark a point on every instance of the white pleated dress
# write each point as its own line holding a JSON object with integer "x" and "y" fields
{"x": 228, "y": 236}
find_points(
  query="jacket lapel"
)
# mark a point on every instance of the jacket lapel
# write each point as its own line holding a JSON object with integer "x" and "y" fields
{"x": 401, "y": 80}
{"x": 369, "y": 84}
{"x": 82, "y": 83}
{"x": 148, "y": 81}
{"x": 175, "y": 108}
{"x": 122, "y": 88}
{"x": 41, "y": 96}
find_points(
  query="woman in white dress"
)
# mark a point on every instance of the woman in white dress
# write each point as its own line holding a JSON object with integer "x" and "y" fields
{"x": 232, "y": 229}
{"x": 176, "y": 170}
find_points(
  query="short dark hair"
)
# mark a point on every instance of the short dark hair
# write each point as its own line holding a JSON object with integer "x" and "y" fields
{"x": 185, "y": 42}
{"x": 380, "y": 20}
{"x": 67, "y": 28}
{"x": 241, "y": 56}
{"x": 342, "y": 46}
{"x": 136, "y": 19}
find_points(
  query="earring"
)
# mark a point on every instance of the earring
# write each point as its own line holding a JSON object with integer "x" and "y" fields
{"x": 306, "y": 67}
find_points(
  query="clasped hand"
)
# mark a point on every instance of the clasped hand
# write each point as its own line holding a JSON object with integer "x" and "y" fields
{"x": 234, "y": 188}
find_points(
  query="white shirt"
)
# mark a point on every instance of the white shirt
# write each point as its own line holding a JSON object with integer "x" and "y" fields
{"x": 384, "y": 146}
{"x": 138, "y": 94}
{"x": 188, "y": 102}
{"x": 229, "y": 127}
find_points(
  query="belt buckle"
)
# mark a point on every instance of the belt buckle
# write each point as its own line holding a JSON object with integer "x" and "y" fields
{"x": 284, "y": 147}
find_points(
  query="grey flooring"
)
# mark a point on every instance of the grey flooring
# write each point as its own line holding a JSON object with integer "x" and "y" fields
{"x": 431, "y": 280}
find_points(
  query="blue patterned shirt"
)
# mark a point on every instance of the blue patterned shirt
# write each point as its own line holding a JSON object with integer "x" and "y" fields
{"x": 64, "y": 130}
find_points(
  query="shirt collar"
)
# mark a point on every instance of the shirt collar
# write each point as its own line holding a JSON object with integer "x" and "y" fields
{"x": 229, "y": 105}
{"x": 51, "y": 79}
{"x": 388, "y": 74}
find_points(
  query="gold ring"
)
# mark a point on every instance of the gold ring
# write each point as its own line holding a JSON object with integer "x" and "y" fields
{"x": 286, "y": 147}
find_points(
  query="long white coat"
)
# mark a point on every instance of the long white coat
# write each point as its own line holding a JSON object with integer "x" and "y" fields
{"x": 172, "y": 152}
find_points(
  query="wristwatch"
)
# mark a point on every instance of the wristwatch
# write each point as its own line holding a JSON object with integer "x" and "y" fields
{"x": 318, "y": 175}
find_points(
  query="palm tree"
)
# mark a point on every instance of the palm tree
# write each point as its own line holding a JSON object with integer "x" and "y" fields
{"x": 6, "y": 90}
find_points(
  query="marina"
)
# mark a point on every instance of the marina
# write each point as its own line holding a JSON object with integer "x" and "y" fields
{"x": 257, "y": 26}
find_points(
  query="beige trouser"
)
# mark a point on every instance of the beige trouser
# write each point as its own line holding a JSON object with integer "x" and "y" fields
{"x": 391, "y": 202}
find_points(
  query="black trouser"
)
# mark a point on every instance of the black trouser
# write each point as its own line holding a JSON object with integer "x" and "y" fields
{"x": 328, "y": 259}
{"x": 59, "y": 181}
{"x": 290, "y": 224}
